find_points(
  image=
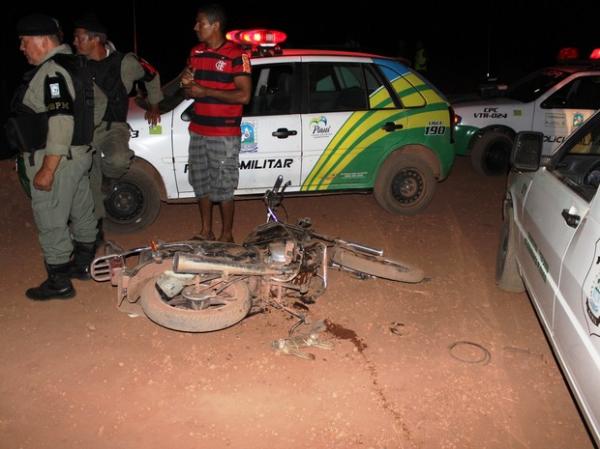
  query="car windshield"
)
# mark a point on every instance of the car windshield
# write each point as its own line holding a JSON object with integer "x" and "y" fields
{"x": 532, "y": 86}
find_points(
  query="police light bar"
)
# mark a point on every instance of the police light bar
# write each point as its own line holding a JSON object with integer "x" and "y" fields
{"x": 567, "y": 53}
{"x": 595, "y": 54}
{"x": 257, "y": 37}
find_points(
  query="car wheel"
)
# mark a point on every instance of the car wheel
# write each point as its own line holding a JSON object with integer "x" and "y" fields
{"x": 507, "y": 272}
{"x": 405, "y": 184}
{"x": 490, "y": 154}
{"x": 133, "y": 202}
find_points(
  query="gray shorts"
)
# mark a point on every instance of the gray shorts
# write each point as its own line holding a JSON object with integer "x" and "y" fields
{"x": 213, "y": 166}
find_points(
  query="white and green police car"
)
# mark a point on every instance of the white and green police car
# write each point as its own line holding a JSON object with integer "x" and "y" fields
{"x": 328, "y": 121}
{"x": 554, "y": 101}
{"x": 551, "y": 245}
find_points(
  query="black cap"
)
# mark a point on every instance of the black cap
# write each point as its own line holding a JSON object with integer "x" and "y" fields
{"x": 91, "y": 23}
{"x": 38, "y": 25}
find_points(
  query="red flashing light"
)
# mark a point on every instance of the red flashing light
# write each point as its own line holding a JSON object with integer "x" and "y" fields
{"x": 595, "y": 54}
{"x": 567, "y": 53}
{"x": 231, "y": 35}
{"x": 258, "y": 37}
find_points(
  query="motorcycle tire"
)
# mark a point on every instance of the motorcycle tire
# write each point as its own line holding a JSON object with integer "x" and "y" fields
{"x": 221, "y": 314}
{"x": 376, "y": 266}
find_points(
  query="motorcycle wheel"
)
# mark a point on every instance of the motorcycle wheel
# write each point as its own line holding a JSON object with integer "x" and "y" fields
{"x": 376, "y": 266}
{"x": 226, "y": 308}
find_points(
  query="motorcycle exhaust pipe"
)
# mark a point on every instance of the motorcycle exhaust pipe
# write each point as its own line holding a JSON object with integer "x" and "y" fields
{"x": 194, "y": 263}
{"x": 365, "y": 249}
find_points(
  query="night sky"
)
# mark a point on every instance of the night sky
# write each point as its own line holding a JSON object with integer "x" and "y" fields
{"x": 463, "y": 41}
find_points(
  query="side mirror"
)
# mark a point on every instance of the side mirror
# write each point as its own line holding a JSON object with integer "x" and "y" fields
{"x": 527, "y": 151}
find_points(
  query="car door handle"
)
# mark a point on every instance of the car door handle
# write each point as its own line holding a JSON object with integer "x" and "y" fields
{"x": 391, "y": 126}
{"x": 284, "y": 133}
{"x": 571, "y": 219}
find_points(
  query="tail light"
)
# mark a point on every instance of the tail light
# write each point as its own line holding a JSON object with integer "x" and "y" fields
{"x": 454, "y": 120}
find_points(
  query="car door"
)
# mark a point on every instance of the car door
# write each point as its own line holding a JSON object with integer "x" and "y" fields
{"x": 180, "y": 136}
{"x": 560, "y": 111}
{"x": 270, "y": 131}
{"x": 343, "y": 122}
{"x": 271, "y": 127}
{"x": 548, "y": 203}
{"x": 577, "y": 303}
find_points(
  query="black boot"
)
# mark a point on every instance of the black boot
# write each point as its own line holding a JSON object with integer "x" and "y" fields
{"x": 83, "y": 255}
{"x": 57, "y": 286}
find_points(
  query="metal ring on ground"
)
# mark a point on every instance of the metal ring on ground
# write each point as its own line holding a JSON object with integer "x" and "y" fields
{"x": 484, "y": 360}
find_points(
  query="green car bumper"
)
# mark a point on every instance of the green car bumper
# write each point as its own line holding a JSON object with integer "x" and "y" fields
{"x": 463, "y": 135}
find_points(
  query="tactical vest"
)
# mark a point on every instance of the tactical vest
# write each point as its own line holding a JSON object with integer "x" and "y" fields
{"x": 28, "y": 131}
{"x": 83, "y": 106}
{"x": 107, "y": 76}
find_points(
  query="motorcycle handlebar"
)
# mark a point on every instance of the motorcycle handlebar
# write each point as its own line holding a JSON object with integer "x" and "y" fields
{"x": 274, "y": 196}
{"x": 278, "y": 182}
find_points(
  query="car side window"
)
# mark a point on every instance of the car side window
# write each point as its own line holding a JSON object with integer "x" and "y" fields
{"x": 579, "y": 163}
{"x": 336, "y": 87}
{"x": 379, "y": 95}
{"x": 273, "y": 92}
{"x": 407, "y": 93}
{"x": 581, "y": 93}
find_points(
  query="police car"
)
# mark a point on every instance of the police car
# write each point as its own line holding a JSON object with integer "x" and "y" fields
{"x": 553, "y": 100}
{"x": 550, "y": 245}
{"x": 328, "y": 121}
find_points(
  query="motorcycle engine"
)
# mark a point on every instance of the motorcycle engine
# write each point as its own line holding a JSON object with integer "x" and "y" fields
{"x": 281, "y": 252}
{"x": 172, "y": 283}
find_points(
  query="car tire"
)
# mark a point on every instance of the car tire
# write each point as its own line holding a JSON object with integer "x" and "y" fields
{"x": 405, "y": 184}
{"x": 133, "y": 202}
{"x": 507, "y": 271}
{"x": 490, "y": 155}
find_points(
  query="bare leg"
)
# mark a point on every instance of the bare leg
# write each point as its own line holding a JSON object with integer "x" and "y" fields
{"x": 227, "y": 209}
{"x": 205, "y": 205}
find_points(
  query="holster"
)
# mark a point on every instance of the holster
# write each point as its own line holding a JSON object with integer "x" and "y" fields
{"x": 27, "y": 133}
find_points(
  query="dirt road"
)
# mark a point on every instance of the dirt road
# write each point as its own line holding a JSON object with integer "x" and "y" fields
{"x": 80, "y": 374}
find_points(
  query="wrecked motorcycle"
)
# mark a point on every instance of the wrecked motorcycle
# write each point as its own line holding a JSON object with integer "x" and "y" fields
{"x": 201, "y": 286}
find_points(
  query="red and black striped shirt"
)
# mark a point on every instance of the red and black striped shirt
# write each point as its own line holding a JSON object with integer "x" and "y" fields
{"x": 216, "y": 68}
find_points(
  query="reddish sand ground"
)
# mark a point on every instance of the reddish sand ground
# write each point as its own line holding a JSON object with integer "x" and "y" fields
{"x": 80, "y": 374}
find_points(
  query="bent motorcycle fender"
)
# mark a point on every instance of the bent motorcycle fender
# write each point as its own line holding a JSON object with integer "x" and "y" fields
{"x": 130, "y": 287}
{"x": 196, "y": 263}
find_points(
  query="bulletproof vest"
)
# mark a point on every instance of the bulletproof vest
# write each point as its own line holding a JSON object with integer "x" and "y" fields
{"x": 107, "y": 76}
{"x": 28, "y": 130}
{"x": 83, "y": 106}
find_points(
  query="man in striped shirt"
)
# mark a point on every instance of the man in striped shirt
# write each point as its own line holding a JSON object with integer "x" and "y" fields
{"x": 218, "y": 78}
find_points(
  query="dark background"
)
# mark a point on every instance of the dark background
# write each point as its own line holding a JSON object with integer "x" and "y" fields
{"x": 464, "y": 42}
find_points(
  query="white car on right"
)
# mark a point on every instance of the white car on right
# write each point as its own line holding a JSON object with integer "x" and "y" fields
{"x": 550, "y": 245}
{"x": 554, "y": 101}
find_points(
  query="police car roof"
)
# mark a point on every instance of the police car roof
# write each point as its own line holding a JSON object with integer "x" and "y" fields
{"x": 313, "y": 52}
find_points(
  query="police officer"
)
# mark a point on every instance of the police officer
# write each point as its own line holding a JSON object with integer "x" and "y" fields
{"x": 114, "y": 73}
{"x": 54, "y": 120}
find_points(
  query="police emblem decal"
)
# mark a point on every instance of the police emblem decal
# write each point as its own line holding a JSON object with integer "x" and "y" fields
{"x": 54, "y": 90}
